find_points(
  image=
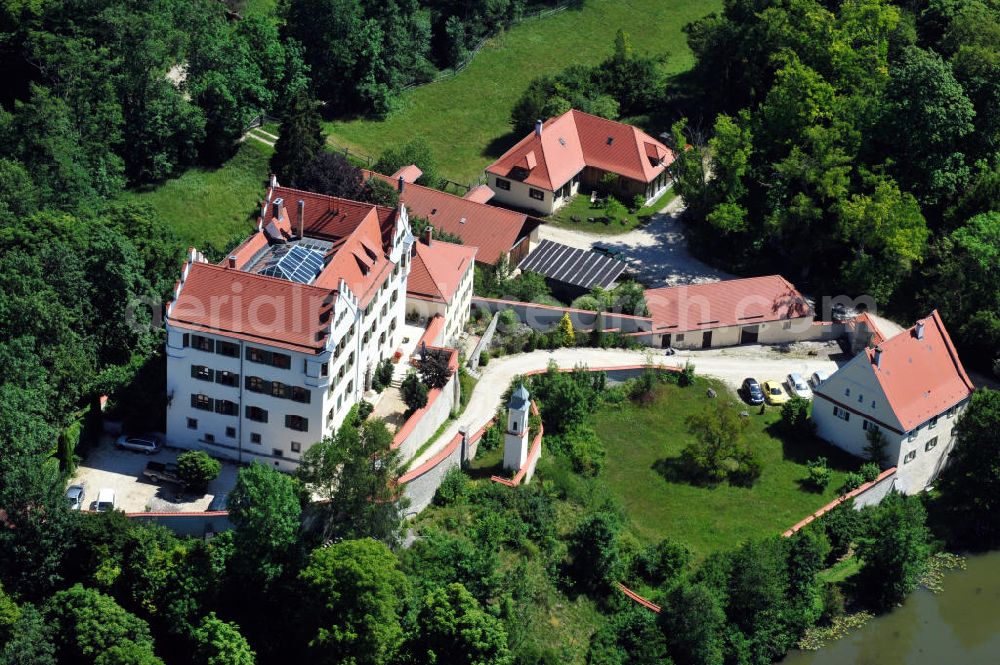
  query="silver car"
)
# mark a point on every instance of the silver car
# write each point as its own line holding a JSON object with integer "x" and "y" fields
{"x": 143, "y": 444}
{"x": 75, "y": 495}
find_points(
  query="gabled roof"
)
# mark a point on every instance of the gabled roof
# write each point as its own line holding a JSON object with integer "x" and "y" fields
{"x": 921, "y": 377}
{"x": 329, "y": 217}
{"x": 573, "y": 140}
{"x": 730, "y": 302}
{"x": 493, "y": 230}
{"x": 255, "y": 308}
{"x": 437, "y": 269}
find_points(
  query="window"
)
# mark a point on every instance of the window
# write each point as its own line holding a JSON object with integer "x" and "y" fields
{"x": 296, "y": 447}
{"x": 913, "y": 435}
{"x": 279, "y": 389}
{"x": 203, "y": 402}
{"x": 256, "y": 413}
{"x": 277, "y": 452}
{"x": 869, "y": 426}
{"x": 256, "y": 355}
{"x": 843, "y": 414}
{"x": 227, "y": 378}
{"x": 202, "y": 343}
{"x": 254, "y": 437}
{"x": 847, "y": 392}
{"x": 227, "y": 349}
{"x": 350, "y": 386}
{"x": 933, "y": 423}
{"x": 787, "y": 325}
{"x": 192, "y": 423}
{"x": 536, "y": 194}
{"x": 951, "y": 411}
{"x": 301, "y": 395}
{"x": 281, "y": 360}
{"x": 231, "y": 432}
{"x": 861, "y": 398}
{"x": 256, "y": 384}
{"x": 201, "y": 373}
{"x": 930, "y": 444}
{"x": 209, "y": 438}
{"x": 324, "y": 369}
{"x": 909, "y": 457}
{"x": 227, "y": 408}
{"x": 679, "y": 338}
{"x": 503, "y": 184}
{"x": 297, "y": 423}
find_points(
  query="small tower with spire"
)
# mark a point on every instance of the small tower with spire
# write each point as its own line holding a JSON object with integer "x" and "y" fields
{"x": 515, "y": 440}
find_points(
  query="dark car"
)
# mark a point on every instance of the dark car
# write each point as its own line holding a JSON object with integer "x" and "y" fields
{"x": 752, "y": 392}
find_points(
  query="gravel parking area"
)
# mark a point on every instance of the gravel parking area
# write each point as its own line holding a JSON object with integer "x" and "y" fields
{"x": 121, "y": 470}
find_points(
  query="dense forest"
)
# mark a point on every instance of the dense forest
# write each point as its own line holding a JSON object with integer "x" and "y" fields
{"x": 853, "y": 147}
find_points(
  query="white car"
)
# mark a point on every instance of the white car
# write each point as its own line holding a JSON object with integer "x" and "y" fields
{"x": 105, "y": 500}
{"x": 798, "y": 386}
{"x": 817, "y": 379}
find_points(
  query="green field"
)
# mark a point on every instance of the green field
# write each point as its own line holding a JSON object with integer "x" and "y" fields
{"x": 579, "y": 208}
{"x": 465, "y": 119}
{"x": 706, "y": 519}
{"x": 210, "y": 207}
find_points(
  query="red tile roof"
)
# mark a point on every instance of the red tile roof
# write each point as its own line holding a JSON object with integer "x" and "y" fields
{"x": 255, "y": 308}
{"x": 921, "y": 378}
{"x": 329, "y": 217}
{"x": 479, "y": 194}
{"x": 573, "y": 140}
{"x": 359, "y": 260}
{"x": 437, "y": 269}
{"x": 727, "y": 303}
{"x": 493, "y": 230}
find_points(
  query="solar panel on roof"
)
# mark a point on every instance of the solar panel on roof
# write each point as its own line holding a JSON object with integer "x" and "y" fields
{"x": 572, "y": 265}
{"x": 299, "y": 264}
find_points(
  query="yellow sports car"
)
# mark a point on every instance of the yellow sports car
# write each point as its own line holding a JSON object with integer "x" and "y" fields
{"x": 774, "y": 393}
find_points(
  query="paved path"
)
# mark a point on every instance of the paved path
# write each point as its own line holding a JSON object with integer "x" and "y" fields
{"x": 731, "y": 365}
{"x": 657, "y": 251}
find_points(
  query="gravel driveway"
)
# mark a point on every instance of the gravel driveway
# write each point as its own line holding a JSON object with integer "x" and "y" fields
{"x": 656, "y": 252}
{"x": 732, "y": 365}
{"x": 121, "y": 470}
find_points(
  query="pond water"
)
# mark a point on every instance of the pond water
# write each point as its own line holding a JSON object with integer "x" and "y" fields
{"x": 959, "y": 626}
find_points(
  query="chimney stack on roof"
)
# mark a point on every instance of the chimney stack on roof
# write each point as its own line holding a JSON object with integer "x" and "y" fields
{"x": 302, "y": 218}
{"x": 919, "y": 330}
{"x": 538, "y": 128}
{"x": 278, "y": 205}
{"x": 232, "y": 261}
{"x": 428, "y": 234}
{"x": 878, "y": 356}
{"x": 401, "y": 185}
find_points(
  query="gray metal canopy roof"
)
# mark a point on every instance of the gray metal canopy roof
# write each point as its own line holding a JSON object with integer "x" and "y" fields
{"x": 571, "y": 265}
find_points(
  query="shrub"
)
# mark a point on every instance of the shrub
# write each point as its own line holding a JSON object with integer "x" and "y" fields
{"x": 719, "y": 451}
{"x": 508, "y": 318}
{"x": 414, "y": 392}
{"x": 795, "y": 417}
{"x": 687, "y": 375}
{"x": 484, "y": 358}
{"x": 492, "y": 437}
{"x": 382, "y": 376}
{"x": 852, "y": 481}
{"x": 197, "y": 469}
{"x": 819, "y": 472}
{"x": 454, "y": 488}
{"x": 870, "y": 471}
{"x": 641, "y": 388}
{"x": 875, "y": 449}
{"x": 833, "y": 603}
{"x": 566, "y": 336}
{"x": 637, "y": 202}
{"x": 435, "y": 368}
{"x": 614, "y": 210}
{"x": 364, "y": 410}
{"x": 593, "y": 550}
{"x": 662, "y": 562}
{"x": 843, "y": 525}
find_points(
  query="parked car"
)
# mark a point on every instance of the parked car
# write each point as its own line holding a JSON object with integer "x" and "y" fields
{"x": 106, "y": 500}
{"x": 817, "y": 379}
{"x": 144, "y": 443}
{"x": 773, "y": 392}
{"x": 610, "y": 252}
{"x": 798, "y": 386}
{"x": 219, "y": 502}
{"x": 75, "y": 495}
{"x": 157, "y": 471}
{"x": 752, "y": 392}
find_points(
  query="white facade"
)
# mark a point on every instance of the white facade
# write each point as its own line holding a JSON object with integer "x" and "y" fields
{"x": 517, "y": 194}
{"x": 852, "y": 402}
{"x": 515, "y": 438}
{"x": 283, "y": 400}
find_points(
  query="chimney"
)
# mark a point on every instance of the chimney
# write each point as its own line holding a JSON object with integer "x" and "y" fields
{"x": 401, "y": 184}
{"x": 878, "y": 356}
{"x": 278, "y": 205}
{"x": 538, "y": 128}
{"x": 428, "y": 234}
{"x": 919, "y": 330}
{"x": 302, "y": 218}
{"x": 232, "y": 261}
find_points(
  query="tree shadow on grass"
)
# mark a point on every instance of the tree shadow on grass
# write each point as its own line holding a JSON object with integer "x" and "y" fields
{"x": 804, "y": 448}
{"x": 672, "y": 470}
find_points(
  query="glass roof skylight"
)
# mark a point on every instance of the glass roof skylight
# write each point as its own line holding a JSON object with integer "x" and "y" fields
{"x": 300, "y": 263}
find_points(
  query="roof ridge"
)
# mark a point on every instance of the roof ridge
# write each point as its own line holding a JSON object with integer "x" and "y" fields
{"x": 506, "y": 211}
{"x": 336, "y": 198}
{"x": 266, "y": 278}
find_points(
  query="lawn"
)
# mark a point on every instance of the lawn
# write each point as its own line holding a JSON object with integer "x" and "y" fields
{"x": 210, "y": 207}
{"x": 638, "y": 439}
{"x": 465, "y": 118}
{"x": 579, "y": 208}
